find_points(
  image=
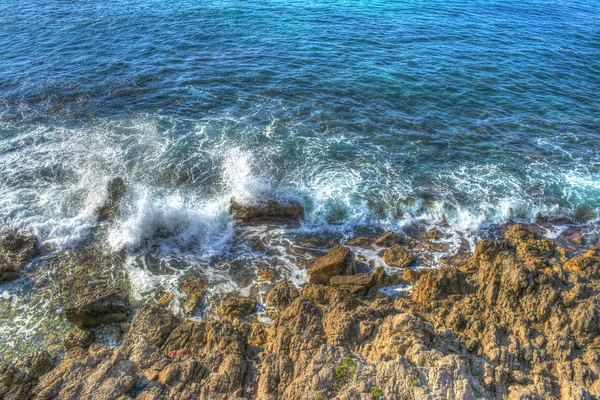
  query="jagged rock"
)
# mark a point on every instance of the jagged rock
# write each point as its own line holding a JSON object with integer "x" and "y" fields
{"x": 339, "y": 261}
{"x": 353, "y": 283}
{"x": 411, "y": 275}
{"x": 391, "y": 238}
{"x": 266, "y": 210}
{"x": 232, "y": 305}
{"x": 374, "y": 280}
{"x": 498, "y": 327}
{"x": 97, "y": 307}
{"x": 279, "y": 297}
{"x": 15, "y": 252}
{"x": 361, "y": 241}
{"x": 398, "y": 256}
{"x": 153, "y": 322}
{"x": 195, "y": 288}
{"x": 78, "y": 337}
{"x": 116, "y": 190}
{"x": 18, "y": 380}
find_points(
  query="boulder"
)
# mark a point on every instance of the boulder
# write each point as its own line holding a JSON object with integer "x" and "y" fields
{"x": 99, "y": 306}
{"x": 353, "y": 283}
{"x": 78, "y": 337}
{"x": 195, "y": 288}
{"x": 338, "y": 261}
{"x": 281, "y": 296}
{"x": 361, "y": 241}
{"x": 391, "y": 238}
{"x": 153, "y": 322}
{"x": 15, "y": 252}
{"x": 266, "y": 210}
{"x": 116, "y": 191}
{"x": 232, "y": 305}
{"x": 398, "y": 256}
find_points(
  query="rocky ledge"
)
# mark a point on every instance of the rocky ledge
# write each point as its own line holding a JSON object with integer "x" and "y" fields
{"x": 519, "y": 320}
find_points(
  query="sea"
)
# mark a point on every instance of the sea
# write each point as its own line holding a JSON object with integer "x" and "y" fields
{"x": 373, "y": 115}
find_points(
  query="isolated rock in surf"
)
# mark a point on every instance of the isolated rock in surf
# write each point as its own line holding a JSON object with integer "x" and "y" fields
{"x": 116, "y": 191}
{"x": 16, "y": 251}
{"x": 266, "y": 210}
{"x": 339, "y": 261}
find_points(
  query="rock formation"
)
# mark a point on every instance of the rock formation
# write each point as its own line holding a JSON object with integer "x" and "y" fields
{"x": 519, "y": 320}
{"x": 266, "y": 210}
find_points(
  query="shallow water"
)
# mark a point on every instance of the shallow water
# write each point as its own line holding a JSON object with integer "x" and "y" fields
{"x": 372, "y": 114}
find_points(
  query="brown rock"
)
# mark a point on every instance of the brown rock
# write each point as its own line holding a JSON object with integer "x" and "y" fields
{"x": 266, "y": 210}
{"x": 361, "y": 241}
{"x": 232, "y": 305}
{"x": 195, "y": 288}
{"x": 265, "y": 275}
{"x": 78, "y": 337}
{"x": 411, "y": 275}
{"x": 339, "y": 261}
{"x": 15, "y": 252}
{"x": 398, "y": 256}
{"x": 100, "y": 306}
{"x": 353, "y": 283}
{"x": 278, "y": 298}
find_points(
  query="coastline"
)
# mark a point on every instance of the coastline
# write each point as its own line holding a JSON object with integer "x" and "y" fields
{"x": 519, "y": 318}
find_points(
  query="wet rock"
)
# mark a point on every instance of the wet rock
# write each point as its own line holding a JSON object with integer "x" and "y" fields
{"x": 232, "y": 305}
{"x": 15, "y": 252}
{"x": 98, "y": 307}
{"x": 116, "y": 190}
{"x": 391, "y": 238}
{"x": 195, "y": 288}
{"x": 361, "y": 241}
{"x": 266, "y": 210}
{"x": 78, "y": 337}
{"x": 339, "y": 261}
{"x": 398, "y": 256}
{"x": 265, "y": 275}
{"x": 279, "y": 297}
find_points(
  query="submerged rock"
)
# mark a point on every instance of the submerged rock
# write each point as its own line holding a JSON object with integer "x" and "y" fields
{"x": 266, "y": 210}
{"x": 16, "y": 251}
{"x": 338, "y": 261}
{"x": 100, "y": 306}
{"x": 116, "y": 190}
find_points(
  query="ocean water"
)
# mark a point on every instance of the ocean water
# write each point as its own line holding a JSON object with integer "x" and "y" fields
{"x": 369, "y": 113}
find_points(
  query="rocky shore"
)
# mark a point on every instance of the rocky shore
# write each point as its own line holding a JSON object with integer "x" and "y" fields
{"x": 519, "y": 319}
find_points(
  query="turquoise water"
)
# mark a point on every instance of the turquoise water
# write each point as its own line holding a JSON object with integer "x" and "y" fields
{"x": 472, "y": 111}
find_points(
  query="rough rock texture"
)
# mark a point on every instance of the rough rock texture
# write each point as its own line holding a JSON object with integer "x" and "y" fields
{"x": 398, "y": 256}
{"x": 116, "y": 190}
{"x": 15, "y": 252}
{"x": 98, "y": 307}
{"x": 339, "y": 261}
{"x": 520, "y": 320}
{"x": 195, "y": 287}
{"x": 266, "y": 210}
{"x": 231, "y": 305}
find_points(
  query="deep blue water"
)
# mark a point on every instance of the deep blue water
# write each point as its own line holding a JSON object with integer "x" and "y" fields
{"x": 476, "y": 111}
